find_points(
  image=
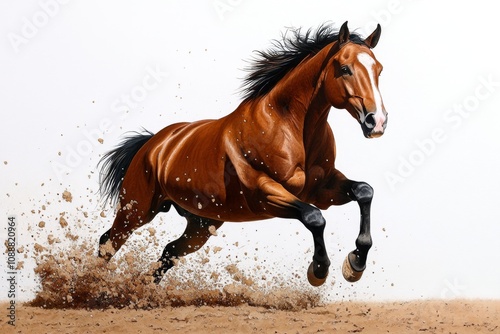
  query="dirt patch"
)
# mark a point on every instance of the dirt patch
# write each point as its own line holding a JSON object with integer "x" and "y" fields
{"x": 458, "y": 316}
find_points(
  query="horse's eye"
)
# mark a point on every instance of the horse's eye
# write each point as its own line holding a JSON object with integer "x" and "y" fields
{"x": 345, "y": 70}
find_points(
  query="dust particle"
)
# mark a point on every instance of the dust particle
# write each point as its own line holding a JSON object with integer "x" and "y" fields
{"x": 38, "y": 248}
{"x": 67, "y": 196}
{"x": 212, "y": 230}
{"x": 51, "y": 239}
{"x": 62, "y": 221}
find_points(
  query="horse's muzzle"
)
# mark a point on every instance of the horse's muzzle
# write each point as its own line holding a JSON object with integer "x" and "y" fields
{"x": 373, "y": 126}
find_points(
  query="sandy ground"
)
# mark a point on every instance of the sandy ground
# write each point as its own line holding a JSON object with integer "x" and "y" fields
{"x": 459, "y": 316}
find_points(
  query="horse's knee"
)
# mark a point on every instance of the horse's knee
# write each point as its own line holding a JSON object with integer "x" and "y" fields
{"x": 314, "y": 218}
{"x": 362, "y": 192}
{"x": 311, "y": 216}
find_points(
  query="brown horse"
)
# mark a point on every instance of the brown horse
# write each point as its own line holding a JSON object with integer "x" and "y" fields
{"x": 274, "y": 156}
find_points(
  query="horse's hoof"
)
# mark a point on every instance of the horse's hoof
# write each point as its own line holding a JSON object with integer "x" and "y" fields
{"x": 313, "y": 280}
{"x": 349, "y": 273}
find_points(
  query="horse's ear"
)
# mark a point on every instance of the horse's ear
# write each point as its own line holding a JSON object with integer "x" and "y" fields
{"x": 343, "y": 34}
{"x": 372, "y": 40}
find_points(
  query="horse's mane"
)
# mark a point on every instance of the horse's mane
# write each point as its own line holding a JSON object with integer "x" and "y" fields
{"x": 271, "y": 65}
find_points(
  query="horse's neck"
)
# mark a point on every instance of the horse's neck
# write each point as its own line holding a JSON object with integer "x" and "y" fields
{"x": 299, "y": 93}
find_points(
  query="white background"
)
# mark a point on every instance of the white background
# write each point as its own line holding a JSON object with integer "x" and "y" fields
{"x": 71, "y": 69}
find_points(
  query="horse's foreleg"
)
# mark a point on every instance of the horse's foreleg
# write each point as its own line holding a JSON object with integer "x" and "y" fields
{"x": 289, "y": 206}
{"x": 355, "y": 262}
{"x": 284, "y": 204}
{"x": 339, "y": 191}
{"x": 314, "y": 221}
{"x": 342, "y": 191}
{"x": 197, "y": 233}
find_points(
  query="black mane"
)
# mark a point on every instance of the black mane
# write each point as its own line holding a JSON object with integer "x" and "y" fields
{"x": 270, "y": 66}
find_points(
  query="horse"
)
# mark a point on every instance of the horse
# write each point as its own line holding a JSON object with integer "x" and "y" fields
{"x": 273, "y": 156}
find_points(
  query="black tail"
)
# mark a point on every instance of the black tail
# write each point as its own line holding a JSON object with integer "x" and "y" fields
{"x": 116, "y": 162}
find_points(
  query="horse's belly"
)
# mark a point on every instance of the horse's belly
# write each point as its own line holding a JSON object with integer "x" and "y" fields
{"x": 218, "y": 209}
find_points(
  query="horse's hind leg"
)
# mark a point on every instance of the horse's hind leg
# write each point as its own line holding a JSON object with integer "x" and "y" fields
{"x": 197, "y": 233}
{"x": 134, "y": 212}
{"x": 102, "y": 243}
{"x": 128, "y": 218}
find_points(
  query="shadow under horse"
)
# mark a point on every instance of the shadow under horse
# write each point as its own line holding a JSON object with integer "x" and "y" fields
{"x": 274, "y": 156}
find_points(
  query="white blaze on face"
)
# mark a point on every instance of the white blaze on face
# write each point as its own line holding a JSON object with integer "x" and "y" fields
{"x": 367, "y": 61}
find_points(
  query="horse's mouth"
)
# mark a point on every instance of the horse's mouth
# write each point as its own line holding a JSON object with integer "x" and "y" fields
{"x": 375, "y": 134}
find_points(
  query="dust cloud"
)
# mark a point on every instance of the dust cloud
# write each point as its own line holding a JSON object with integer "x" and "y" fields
{"x": 71, "y": 276}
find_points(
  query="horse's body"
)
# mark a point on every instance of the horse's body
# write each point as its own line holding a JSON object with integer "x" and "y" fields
{"x": 274, "y": 156}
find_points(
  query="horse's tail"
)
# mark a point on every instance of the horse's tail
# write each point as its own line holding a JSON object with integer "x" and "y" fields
{"x": 116, "y": 162}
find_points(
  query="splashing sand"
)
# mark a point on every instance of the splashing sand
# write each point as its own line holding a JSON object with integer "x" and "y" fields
{"x": 78, "y": 279}
{"x": 62, "y": 242}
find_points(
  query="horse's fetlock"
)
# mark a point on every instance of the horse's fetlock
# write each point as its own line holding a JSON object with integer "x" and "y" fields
{"x": 364, "y": 242}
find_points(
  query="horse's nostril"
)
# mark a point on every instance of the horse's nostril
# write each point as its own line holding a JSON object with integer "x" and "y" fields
{"x": 370, "y": 121}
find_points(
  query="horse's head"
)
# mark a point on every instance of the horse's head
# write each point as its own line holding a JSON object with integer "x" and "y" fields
{"x": 351, "y": 81}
